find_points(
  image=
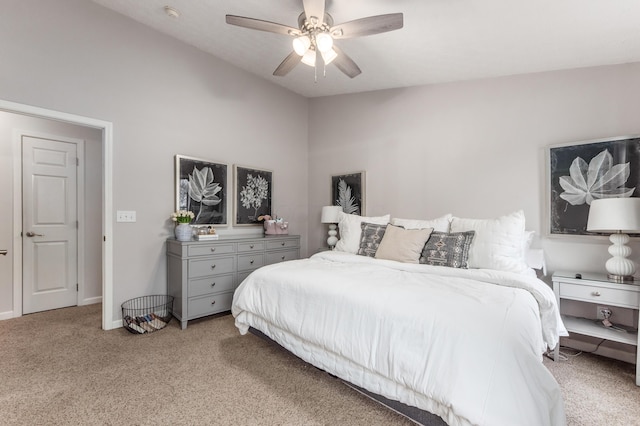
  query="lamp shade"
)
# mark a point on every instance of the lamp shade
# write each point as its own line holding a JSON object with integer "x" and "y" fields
{"x": 614, "y": 215}
{"x": 330, "y": 214}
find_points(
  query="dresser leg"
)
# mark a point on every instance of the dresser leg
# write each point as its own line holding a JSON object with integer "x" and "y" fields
{"x": 183, "y": 324}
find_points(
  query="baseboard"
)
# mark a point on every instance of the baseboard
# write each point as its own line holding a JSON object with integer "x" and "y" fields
{"x": 603, "y": 350}
{"x": 6, "y": 315}
{"x": 92, "y": 300}
{"x": 116, "y": 324}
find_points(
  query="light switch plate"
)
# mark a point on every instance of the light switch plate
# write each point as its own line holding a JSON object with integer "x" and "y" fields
{"x": 125, "y": 216}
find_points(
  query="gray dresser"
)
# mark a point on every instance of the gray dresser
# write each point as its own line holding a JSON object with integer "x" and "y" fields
{"x": 202, "y": 275}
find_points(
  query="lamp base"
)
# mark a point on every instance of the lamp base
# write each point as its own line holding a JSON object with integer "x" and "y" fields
{"x": 619, "y": 267}
{"x": 621, "y": 278}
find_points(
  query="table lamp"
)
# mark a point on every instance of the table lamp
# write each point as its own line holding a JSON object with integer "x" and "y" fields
{"x": 330, "y": 215}
{"x": 618, "y": 216}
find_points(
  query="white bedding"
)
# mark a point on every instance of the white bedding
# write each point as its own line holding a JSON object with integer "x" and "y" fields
{"x": 464, "y": 344}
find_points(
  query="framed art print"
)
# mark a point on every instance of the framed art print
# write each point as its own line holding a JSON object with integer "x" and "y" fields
{"x": 582, "y": 172}
{"x": 201, "y": 187}
{"x": 347, "y": 191}
{"x": 252, "y": 195}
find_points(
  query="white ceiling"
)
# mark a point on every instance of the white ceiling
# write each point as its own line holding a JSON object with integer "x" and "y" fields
{"x": 442, "y": 40}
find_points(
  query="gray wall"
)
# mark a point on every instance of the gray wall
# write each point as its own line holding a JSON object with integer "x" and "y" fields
{"x": 474, "y": 149}
{"x": 163, "y": 98}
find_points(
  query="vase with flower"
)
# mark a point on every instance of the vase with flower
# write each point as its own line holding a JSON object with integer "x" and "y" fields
{"x": 183, "y": 229}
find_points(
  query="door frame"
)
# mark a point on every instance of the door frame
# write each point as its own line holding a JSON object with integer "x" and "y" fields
{"x": 18, "y": 284}
{"x": 108, "y": 322}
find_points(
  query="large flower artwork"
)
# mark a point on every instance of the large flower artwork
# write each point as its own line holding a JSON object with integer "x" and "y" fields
{"x": 201, "y": 188}
{"x": 253, "y": 189}
{"x": 599, "y": 179}
{"x": 581, "y": 173}
{"x": 254, "y": 193}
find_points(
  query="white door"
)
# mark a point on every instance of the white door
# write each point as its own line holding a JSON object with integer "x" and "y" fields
{"x": 49, "y": 224}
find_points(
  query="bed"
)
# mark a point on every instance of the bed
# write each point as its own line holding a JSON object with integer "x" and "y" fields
{"x": 465, "y": 344}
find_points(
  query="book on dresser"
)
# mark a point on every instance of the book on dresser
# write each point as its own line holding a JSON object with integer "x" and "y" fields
{"x": 202, "y": 275}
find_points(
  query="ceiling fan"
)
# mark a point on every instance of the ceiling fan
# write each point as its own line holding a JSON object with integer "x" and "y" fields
{"x": 314, "y": 39}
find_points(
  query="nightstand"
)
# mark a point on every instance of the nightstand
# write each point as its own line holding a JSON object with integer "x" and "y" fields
{"x": 597, "y": 289}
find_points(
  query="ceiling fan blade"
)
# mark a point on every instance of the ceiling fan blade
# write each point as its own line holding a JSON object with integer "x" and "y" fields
{"x": 368, "y": 26}
{"x": 260, "y": 25}
{"x": 314, "y": 8}
{"x": 288, "y": 64}
{"x": 345, "y": 63}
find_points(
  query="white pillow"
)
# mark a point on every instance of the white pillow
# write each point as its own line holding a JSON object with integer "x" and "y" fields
{"x": 498, "y": 243}
{"x": 351, "y": 231}
{"x": 440, "y": 224}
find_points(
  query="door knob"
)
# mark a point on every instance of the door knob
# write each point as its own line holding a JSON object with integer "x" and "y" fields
{"x": 33, "y": 234}
{"x": 3, "y": 252}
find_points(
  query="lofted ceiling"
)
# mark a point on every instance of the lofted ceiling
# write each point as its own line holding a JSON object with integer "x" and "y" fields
{"x": 442, "y": 40}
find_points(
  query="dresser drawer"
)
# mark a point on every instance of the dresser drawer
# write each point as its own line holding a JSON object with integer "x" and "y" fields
{"x": 251, "y": 246}
{"x": 281, "y": 256}
{"x": 249, "y": 262}
{"x": 215, "y": 284}
{"x": 603, "y": 295}
{"x": 208, "y": 249}
{"x": 208, "y": 305}
{"x": 211, "y": 266}
{"x": 277, "y": 244}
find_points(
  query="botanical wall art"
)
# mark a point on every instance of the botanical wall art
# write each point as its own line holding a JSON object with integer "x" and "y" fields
{"x": 201, "y": 187}
{"x": 581, "y": 173}
{"x": 347, "y": 191}
{"x": 253, "y": 189}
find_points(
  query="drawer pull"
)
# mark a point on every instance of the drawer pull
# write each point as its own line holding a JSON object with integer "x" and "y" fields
{"x": 251, "y": 246}
{"x": 213, "y": 284}
{"x": 213, "y": 249}
{"x": 282, "y": 257}
{"x": 213, "y": 303}
{"x": 595, "y": 293}
{"x": 251, "y": 261}
{"x": 282, "y": 243}
{"x": 213, "y": 266}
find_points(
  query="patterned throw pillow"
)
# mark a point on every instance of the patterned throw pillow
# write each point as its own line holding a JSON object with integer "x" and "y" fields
{"x": 448, "y": 249}
{"x": 370, "y": 240}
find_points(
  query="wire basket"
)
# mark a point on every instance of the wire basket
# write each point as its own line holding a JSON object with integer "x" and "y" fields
{"x": 147, "y": 314}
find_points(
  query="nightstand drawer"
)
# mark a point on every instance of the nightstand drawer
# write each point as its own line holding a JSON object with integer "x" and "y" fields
{"x": 208, "y": 249}
{"x": 211, "y": 266}
{"x": 249, "y": 262}
{"x": 281, "y": 256}
{"x": 206, "y": 305}
{"x": 215, "y": 284}
{"x": 603, "y": 295}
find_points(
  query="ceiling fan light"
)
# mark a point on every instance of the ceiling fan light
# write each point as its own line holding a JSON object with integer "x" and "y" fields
{"x": 324, "y": 42}
{"x": 309, "y": 58}
{"x": 329, "y": 56}
{"x": 301, "y": 44}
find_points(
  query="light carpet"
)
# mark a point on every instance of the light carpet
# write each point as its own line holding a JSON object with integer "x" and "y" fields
{"x": 59, "y": 368}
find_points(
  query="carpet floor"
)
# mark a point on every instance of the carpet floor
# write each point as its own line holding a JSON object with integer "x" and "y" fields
{"x": 59, "y": 368}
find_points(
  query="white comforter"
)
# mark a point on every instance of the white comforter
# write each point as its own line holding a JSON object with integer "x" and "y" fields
{"x": 464, "y": 344}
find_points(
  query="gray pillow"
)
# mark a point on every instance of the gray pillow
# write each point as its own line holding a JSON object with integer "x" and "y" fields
{"x": 448, "y": 249}
{"x": 372, "y": 234}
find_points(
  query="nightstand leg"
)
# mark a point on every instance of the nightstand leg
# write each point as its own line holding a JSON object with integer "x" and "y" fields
{"x": 638, "y": 355}
{"x": 556, "y": 351}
